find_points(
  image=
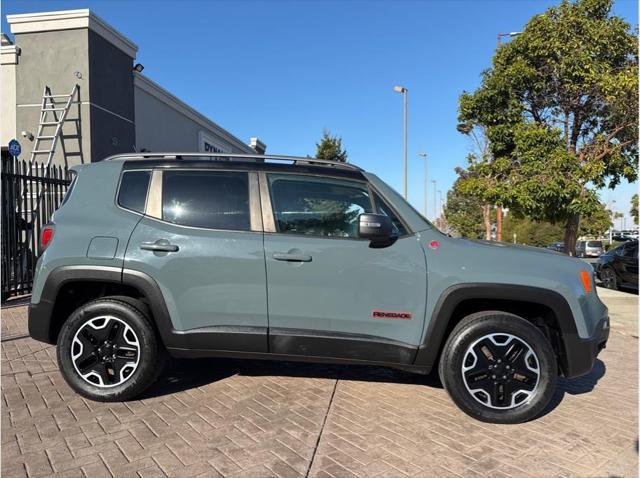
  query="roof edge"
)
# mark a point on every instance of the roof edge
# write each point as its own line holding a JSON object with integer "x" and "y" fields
{"x": 70, "y": 20}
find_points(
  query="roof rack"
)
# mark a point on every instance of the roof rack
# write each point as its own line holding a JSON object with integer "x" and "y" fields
{"x": 224, "y": 156}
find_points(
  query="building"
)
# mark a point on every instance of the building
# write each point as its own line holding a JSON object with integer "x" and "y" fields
{"x": 114, "y": 107}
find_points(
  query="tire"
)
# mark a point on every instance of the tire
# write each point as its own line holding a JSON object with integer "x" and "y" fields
{"x": 503, "y": 334}
{"x": 609, "y": 279}
{"x": 130, "y": 362}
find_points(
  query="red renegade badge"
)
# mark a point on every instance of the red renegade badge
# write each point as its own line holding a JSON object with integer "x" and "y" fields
{"x": 390, "y": 314}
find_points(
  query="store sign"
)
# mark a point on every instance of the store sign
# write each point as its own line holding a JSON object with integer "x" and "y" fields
{"x": 209, "y": 144}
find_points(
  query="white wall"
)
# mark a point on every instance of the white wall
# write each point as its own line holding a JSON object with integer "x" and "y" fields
{"x": 8, "y": 64}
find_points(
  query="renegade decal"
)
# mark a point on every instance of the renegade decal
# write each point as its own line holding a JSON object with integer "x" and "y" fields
{"x": 390, "y": 314}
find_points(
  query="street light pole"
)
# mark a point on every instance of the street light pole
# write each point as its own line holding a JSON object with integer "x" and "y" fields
{"x": 405, "y": 94}
{"x": 426, "y": 181}
{"x": 498, "y": 207}
{"x": 435, "y": 213}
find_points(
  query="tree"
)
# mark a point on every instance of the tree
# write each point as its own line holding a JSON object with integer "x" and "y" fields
{"x": 464, "y": 212}
{"x": 597, "y": 223}
{"x": 559, "y": 107}
{"x": 634, "y": 208}
{"x": 530, "y": 232}
{"x": 330, "y": 148}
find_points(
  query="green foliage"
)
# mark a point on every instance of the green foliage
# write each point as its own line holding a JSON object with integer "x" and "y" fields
{"x": 530, "y": 232}
{"x": 596, "y": 223}
{"x": 634, "y": 208}
{"x": 559, "y": 111}
{"x": 464, "y": 213}
{"x": 330, "y": 148}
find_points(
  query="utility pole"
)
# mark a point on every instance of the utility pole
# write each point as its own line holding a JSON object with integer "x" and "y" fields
{"x": 435, "y": 212}
{"x": 498, "y": 207}
{"x": 405, "y": 94}
{"x": 426, "y": 182}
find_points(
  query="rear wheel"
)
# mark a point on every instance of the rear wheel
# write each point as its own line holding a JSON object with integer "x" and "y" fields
{"x": 499, "y": 368}
{"x": 108, "y": 350}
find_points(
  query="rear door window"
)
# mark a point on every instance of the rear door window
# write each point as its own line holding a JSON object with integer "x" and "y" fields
{"x": 206, "y": 199}
{"x": 133, "y": 190}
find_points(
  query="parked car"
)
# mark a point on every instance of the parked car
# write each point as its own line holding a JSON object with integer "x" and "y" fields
{"x": 556, "y": 246}
{"x": 618, "y": 268}
{"x": 289, "y": 259}
{"x": 589, "y": 248}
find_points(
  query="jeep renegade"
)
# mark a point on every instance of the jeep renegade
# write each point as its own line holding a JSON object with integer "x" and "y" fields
{"x": 273, "y": 257}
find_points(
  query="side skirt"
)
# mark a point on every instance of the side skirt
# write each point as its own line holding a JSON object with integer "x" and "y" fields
{"x": 206, "y": 353}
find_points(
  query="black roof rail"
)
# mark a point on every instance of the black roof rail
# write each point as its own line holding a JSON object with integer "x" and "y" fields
{"x": 226, "y": 156}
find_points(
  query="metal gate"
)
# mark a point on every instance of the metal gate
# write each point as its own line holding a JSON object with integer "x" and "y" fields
{"x": 31, "y": 192}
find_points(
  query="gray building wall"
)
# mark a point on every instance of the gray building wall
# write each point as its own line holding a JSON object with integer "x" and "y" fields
{"x": 116, "y": 110}
{"x": 112, "y": 106}
{"x": 52, "y": 59}
{"x": 164, "y": 123}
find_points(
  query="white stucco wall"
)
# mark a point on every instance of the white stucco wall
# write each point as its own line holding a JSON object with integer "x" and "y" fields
{"x": 8, "y": 64}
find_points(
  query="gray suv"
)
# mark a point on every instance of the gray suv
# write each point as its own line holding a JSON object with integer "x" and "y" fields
{"x": 268, "y": 257}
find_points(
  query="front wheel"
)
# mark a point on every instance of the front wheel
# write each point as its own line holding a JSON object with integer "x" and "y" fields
{"x": 498, "y": 367}
{"x": 609, "y": 279}
{"x": 108, "y": 350}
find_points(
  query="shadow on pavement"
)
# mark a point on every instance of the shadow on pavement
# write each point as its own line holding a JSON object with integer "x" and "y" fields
{"x": 576, "y": 386}
{"x": 184, "y": 374}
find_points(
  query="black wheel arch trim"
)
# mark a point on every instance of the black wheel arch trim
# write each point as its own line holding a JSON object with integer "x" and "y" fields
{"x": 572, "y": 359}
{"x": 41, "y": 318}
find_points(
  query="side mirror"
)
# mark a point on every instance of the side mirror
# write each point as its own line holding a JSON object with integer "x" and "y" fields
{"x": 378, "y": 228}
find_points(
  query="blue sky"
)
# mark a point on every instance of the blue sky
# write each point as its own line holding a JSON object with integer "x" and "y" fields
{"x": 284, "y": 70}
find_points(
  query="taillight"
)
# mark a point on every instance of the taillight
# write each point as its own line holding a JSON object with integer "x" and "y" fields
{"x": 46, "y": 236}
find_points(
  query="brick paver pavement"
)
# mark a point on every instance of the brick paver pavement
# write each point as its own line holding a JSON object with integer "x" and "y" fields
{"x": 246, "y": 418}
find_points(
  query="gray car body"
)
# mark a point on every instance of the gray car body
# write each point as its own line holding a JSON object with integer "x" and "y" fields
{"x": 224, "y": 283}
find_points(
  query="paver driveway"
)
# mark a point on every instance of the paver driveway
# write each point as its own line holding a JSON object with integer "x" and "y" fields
{"x": 235, "y": 418}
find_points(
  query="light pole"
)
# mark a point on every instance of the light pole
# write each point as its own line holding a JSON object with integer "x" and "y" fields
{"x": 612, "y": 216}
{"x": 405, "y": 93}
{"x": 426, "y": 181}
{"x": 435, "y": 213}
{"x": 498, "y": 207}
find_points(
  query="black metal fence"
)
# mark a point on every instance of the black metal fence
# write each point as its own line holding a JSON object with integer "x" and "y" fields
{"x": 31, "y": 193}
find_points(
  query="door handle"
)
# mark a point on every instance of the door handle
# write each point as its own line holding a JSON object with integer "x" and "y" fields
{"x": 291, "y": 257}
{"x": 161, "y": 245}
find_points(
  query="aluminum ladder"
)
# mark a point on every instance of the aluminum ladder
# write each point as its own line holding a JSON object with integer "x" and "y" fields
{"x": 50, "y": 106}
{"x": 53, "y": 113}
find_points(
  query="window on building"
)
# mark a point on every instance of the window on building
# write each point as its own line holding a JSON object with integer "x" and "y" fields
{"x": 133, "y": 190}
{"x": 208, "y": 199}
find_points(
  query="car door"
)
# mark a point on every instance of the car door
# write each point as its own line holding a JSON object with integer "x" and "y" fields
{"x": 628, "y": 263}
{"x": 201, "y": 241}
{"x": 329, "y": 293}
